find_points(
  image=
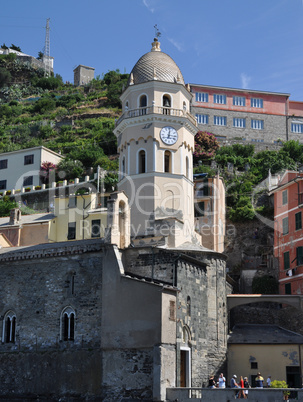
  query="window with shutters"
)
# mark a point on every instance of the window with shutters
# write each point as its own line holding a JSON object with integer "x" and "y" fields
{"x": 300, "y": 255}
{"x": 286, "y": 260}
{"x": 285, "y": 226}
{"x": 298, "y": 220}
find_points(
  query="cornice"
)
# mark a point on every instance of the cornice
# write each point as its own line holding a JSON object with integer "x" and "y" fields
{"x": 151, "y": 118}
{"x": 50, "y": 250}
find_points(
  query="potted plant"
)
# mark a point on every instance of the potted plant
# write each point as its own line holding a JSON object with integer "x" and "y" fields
{"x": 27, "y": 189}
{"x": 8, "y": 192}
{"x": 17, "y": 191}
{"x": 1, "y": 194}
{"x": 60, "y": 183}
{"x": 37, "y": 187}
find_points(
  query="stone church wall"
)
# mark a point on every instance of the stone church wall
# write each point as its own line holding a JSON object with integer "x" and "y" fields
{"x": 201, "y": 277}
{"x": 37, "y": 290}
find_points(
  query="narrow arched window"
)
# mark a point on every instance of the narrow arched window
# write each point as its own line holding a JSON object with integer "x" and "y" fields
{"x": 126, "y": 105}
{"x": 123, "y": 166}
{"x": 188, "y": 306}
{"x": 187, "y": 167}
{"x": 166, "y": 104}
{"x": 142, "y": 162}
{"x": 167, "y": 162}
{"x": 143, "y": 104}
{"x": 68, "y": 324}
{"x": 184, "y": 106}
{"x": 9, "y": 328}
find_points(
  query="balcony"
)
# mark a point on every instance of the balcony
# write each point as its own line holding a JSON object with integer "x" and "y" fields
{"x": 147, "y": 110}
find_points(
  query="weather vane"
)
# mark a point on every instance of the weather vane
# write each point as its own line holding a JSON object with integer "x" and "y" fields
{"x": 157, "y": 32}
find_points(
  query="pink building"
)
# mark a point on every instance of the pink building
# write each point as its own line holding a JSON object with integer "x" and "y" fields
{"x": 288, "y": 243}
{"x": 247, "y": 115}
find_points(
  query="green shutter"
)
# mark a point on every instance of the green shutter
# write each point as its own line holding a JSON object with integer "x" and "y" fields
{"x": 298, "y": 217}
{"x": 299, "y": 255}
{"x": 285, "y": 225}
{"x": 286, "y": 260}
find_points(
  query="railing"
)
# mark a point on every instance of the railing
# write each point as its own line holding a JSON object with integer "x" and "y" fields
{"x": 156, "y": 110}
{"x": 228, "y": 394}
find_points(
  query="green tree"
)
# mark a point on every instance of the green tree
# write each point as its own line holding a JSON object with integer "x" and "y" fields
{"x": 69, "y": 169}
{"x": 6, "y": 204}
{"x": 14, "y": 47}
{"x": 40, "y": 55}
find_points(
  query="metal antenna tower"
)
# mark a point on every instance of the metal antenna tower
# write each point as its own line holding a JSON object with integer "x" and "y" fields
{"x": 46, "y": 55}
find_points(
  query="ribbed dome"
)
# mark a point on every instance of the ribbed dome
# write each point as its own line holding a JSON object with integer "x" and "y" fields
{"x": 155, "y": 65}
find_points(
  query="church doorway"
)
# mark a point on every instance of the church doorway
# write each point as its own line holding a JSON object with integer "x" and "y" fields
{"x": 185, "y": 367}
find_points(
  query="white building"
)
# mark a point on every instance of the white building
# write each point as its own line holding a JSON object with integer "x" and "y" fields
{"x": 22, "y": 168}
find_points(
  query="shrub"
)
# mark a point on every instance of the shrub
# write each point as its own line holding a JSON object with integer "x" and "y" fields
{"x": 69, "y": 169}
{"x": 206, "y": 145}
{"x": 44, "y": 105}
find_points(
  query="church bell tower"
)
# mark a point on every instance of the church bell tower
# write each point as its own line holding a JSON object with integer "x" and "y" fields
{"x": 156, "y": 142}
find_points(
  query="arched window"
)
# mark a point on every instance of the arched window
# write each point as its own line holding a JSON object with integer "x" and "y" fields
{"x": 141, "y": 161}
{"x": 188, "y": 306}
{"x": 184, "y": 106}
{"x": 187, "y": 167}
{"x": 123, "y": 166}
{"x": 143, "y": 104}
{"x": 126, "y": 105}
{"x": 167, "y": 162}
{"x": 68, "y": 324}
{"x": 9, "y": 328}
{"x": 166, "y": 103}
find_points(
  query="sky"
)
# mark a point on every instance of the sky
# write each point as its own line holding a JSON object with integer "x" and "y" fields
{"x": 249, "y": 44}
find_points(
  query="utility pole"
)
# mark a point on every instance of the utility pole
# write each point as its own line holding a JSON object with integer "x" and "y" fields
{"x": 46, "y": 55}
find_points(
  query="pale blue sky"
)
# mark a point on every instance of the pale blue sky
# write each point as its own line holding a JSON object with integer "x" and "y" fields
{"x": 255, "y": 44}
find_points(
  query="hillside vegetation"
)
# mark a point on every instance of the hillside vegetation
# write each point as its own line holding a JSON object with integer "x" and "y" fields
{"x": 77, "y": 122}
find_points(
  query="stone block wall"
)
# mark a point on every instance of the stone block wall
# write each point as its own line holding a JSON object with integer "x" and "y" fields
{"x": 274, "y": 125}
{"x": 201, "y": 281}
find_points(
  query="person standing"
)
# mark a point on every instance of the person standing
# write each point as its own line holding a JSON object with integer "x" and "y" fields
{"x": 211, "y": 382}
{"x": 246, "y": 386}
{"x": 259, "y": 381}
{"x": 234, "y": 384}
{"x": 268, "y": 381}
{"x": 222, "y": 381}
{"x": 241, "y": 393}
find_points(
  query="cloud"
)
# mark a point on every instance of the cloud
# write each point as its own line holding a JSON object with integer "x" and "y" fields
{"x": 178, "y": 45}
{"x": 245, "y": 79}
{"x": 148, "y": 5}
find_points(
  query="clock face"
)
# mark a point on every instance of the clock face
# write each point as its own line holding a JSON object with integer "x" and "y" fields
{"x": 169, "y": 135}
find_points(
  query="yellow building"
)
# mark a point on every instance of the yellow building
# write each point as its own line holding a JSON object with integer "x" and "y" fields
{"x": 268, "y": 349}
{"x": 78, "y": 217}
